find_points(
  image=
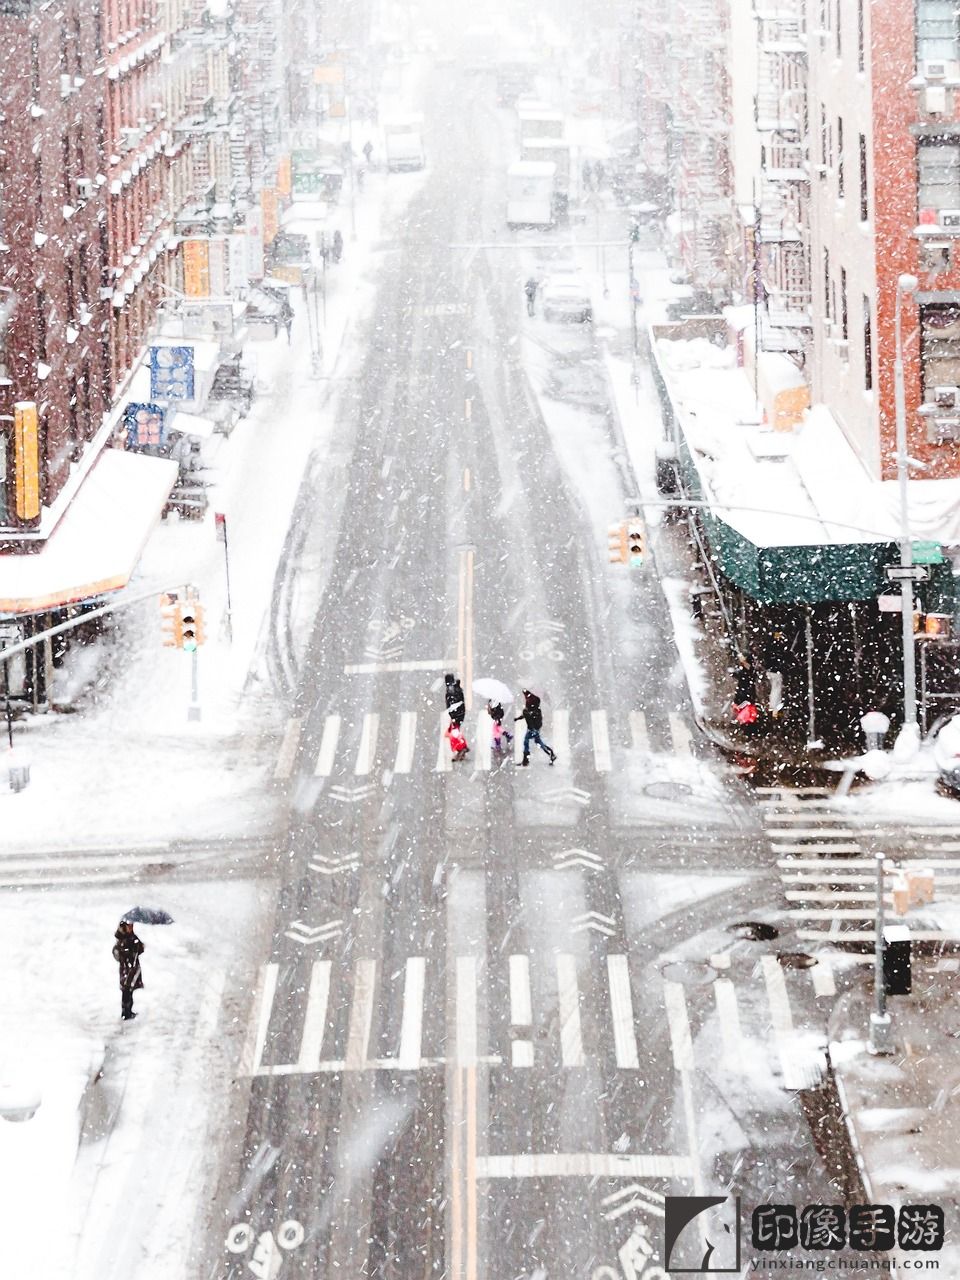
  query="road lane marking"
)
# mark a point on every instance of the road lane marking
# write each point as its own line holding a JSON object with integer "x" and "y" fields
{"x": 328, "y": 747}
{"x": 417, "y": 664}
{"x": 466, "y": 1011}
{"x": 679, "y": 1025}
{"x": 315, "y": 1019}
{"x": 468, "y": 661}
{"x": 406, "y": 740}
{"x": 444, "y": 755}
{"x": 469, "y": 359}
{"x": 568, "y": 997}
{"x": 680, "y": 735}
{"x": 518, "y": 736}
{"x": 638, "y": 732}
{"x": 729, "y": 1015}
{"x": 466, "y": 479}
{"x": 411, "y": 1022}
{"x": 560, "y": 735}
{"x": 578, "y": 1164}
{"x": 361, "y": 1015}
{"x": 288, "y": 750}
{"x": 601, "y": 741}
{"x": 255, "y": 1039}
{"x": 468, "y": 408}
{"x": 521, "y": 1010}
{"x": 621, "y": 1009}
{"x": 456, "y": 1206}
{"x": 471, "y": 1173}
{"x": 787, "y": 1047}
{"x": 263, "y": 1007}
{"x": 367, "y": 753}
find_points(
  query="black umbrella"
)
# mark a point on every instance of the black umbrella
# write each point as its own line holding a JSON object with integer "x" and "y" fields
{"x": 148, "y": 915}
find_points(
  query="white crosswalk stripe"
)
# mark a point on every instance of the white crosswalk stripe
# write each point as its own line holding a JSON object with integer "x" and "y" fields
{"x": 824, "y": 852}
{"x": 597, "y": 740}
{"x": 549, "y": 1024}
{"x": 328, "y": 746}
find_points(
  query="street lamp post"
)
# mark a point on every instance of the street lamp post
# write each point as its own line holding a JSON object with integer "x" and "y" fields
{"x": 905, "y": 284}
{"x": 881, "y": 1024}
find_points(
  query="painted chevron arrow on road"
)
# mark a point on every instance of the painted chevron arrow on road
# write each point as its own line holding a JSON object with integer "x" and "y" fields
{"x": 569, "y": 793}
{"x": 566, "y": 858}
{"x": 595, "y": 921}
{"x": 325, "y": 866}
{"x": 632, "y": 1197}
{"x": 308, "y": 935}
{"x": 352, "y": 795}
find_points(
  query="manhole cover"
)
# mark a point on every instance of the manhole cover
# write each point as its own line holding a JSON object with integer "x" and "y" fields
{"x": 753, "y": 931}
{"x": 689, "y": 973}
{"x": 667, "y": 790}
{"x": 796, "y": 960}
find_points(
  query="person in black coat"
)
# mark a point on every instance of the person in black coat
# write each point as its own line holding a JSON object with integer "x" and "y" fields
{"x": 127, "y": 952}
{"x": 456, "y": 703}
{"x": 532, "y": 715}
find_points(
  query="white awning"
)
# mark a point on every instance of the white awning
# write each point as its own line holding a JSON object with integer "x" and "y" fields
{"x": 97, "y": 543}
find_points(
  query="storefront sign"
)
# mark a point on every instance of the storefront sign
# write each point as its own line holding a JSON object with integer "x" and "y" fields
{"x": 196, "y": 268}
{"x": 26, "y": 442}
{"x": 171, "y": 373}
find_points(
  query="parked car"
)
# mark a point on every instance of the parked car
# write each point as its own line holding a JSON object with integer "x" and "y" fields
{"x": 566, "y": 298}
{"x": 946, "y": 753}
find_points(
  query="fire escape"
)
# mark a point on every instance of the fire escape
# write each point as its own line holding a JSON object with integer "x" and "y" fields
{"x": 703, "y": 173}
{"x": 783, "y": 196}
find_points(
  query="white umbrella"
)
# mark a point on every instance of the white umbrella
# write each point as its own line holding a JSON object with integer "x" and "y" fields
{"x": 494, "y": 690}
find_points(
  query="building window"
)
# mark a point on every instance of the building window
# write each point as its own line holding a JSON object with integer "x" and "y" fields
{"x": 843, "y": 303}
{"x": 938, "y": 30}
{"x": 939, "y": 348}
{"x": 860, "y": 34}
{"x": 826, "y": 283}
{"x": 938, "y": 173}
{"x": 867, "y": 346}
{"x": 864, "y": 198}
{"x": 823, "y": 135}
{"x": 839, "y": 158}
{"x": 837, "y": 29}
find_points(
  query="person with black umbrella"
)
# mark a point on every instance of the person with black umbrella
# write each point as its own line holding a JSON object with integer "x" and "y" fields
{"x": 453, "y": 696}
{"x": 127, "y": 951}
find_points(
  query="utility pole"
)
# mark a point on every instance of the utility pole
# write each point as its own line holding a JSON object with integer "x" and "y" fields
{"x": 881, "y": 1023}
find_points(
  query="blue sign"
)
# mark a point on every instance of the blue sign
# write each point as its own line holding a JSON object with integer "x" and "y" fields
{"x": 171, "y": 373}
{"x": 145, "y": 425}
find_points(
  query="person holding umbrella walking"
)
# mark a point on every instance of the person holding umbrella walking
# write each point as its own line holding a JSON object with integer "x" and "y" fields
{"x": 127, "y": 951}
{"x": 495, "y": 712}
{"x": 532, "y": 715}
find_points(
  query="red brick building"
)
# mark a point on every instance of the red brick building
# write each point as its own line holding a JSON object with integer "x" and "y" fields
{"x": 53, "y": 310}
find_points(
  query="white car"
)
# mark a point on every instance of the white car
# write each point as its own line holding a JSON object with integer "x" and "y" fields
{"x": 566, "y": 298}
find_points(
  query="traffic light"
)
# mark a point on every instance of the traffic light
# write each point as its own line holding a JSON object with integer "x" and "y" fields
{"x": 171, "y": 621}
{"x": 635, "y": 544}
{"x": 617, "y": 543}
{"x": 192, "y": 634}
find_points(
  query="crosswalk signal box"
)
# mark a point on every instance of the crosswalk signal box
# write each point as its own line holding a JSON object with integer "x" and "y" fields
{"x": 193, "y": 633}
{"x": 617, "y": 543}
{"x": 171, "y": 621}
{"x": 897, "y": 976}
{"x": 635, "y": 545}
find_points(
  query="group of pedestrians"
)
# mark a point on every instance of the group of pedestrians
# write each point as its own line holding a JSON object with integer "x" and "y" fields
{"x": 531, "y": 715}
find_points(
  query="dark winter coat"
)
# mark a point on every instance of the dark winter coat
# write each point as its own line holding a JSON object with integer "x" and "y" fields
{"x": 531, "y": 712}
{"x": 746, "y": 690}
{"x": 456, "y": 704}
{"x": 127, "y": 951}
{"x": 530, "y": 288}
{"x": 496, "y": 713}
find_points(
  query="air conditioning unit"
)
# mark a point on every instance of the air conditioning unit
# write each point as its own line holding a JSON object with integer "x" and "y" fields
{"x": 934, "y": 69}
{"x": 941, "y": 430}
{"x": 950, "y": 218}
{"x": 130, "y": 137}
{"x": 946, "y": 397}
{"x": 85, "y": 188}
{"x": 66, "y": 86}
{"x": 842, "y": 346}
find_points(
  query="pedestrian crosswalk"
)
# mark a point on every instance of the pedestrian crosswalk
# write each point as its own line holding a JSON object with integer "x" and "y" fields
{"x": 563, "y": 1011}
{"x": 590, "y": 739}
{"x": 826, "y": 851}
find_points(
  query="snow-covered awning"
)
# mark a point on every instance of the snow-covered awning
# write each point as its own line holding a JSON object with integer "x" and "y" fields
{"x": 97, "y": 543}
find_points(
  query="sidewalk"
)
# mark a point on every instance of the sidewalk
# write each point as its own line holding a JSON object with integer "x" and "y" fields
{"x": 903, "y": 1110}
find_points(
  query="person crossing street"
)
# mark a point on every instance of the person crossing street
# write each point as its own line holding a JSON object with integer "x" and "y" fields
{"x": 532, "y": 715}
